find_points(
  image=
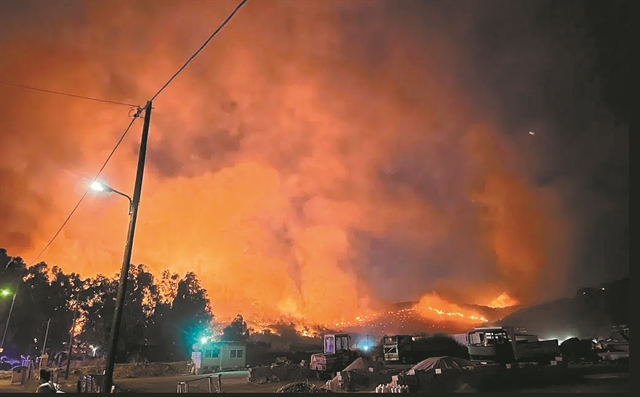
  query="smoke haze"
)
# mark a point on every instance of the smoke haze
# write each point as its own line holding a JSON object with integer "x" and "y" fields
{"x": 316, "y": 155}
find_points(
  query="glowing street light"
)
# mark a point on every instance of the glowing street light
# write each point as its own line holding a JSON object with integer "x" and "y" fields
{"x": 4, "y": 293}
{"x": 101, "y": 187}
{"x": 97, "y": 186}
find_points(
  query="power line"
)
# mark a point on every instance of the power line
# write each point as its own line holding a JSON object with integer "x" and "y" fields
{"x": 126, "y": 131}
{"x": 215, "y": 32}
{"x": 69, "y": 95}
{"x": 139, "y": 110}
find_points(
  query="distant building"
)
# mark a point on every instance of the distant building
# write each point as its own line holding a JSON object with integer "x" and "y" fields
{"x": 221, "y": 356}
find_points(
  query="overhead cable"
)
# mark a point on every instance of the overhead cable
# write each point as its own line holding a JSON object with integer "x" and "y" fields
{"x": 69, "y": 95}
{"x": 215, "y": 32}
{"x": 124, "y": 134}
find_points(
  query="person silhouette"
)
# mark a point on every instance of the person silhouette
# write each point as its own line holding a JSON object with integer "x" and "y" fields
{"x": 47, "y": 385}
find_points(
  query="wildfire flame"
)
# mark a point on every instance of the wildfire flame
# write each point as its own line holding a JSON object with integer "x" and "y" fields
{"x": 502, "y": 301}
{"x": 433, "y": 307}
{"x": 77, "y": 329}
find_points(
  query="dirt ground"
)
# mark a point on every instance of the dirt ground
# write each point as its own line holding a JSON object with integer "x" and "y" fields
{"x": 605, "y": 383}
{"x": 232, "y": 382}
{"x": 236, "y": 382}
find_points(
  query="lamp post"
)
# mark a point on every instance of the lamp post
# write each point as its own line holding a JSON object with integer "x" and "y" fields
{"x": 126, "y": 260}
{"x": 5, "y": 293}
{"x": 124, "y": 273}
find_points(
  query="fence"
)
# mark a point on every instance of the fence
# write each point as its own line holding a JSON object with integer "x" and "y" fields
{"x": 207, "y": 384}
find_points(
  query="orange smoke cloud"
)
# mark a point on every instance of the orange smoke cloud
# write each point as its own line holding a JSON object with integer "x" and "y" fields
{"x": 520, "y": 228}
{"x": 304, "y": 138}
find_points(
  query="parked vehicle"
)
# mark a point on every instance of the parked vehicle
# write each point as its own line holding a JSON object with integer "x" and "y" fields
{"x": 503, "y": 345}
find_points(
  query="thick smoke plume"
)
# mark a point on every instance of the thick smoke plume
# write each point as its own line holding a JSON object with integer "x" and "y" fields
{"x": 318, "y": 159}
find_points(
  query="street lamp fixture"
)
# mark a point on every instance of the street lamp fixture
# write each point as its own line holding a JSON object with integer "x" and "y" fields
{"x": 101, "y": 187}
{"x": 5, "y": 292}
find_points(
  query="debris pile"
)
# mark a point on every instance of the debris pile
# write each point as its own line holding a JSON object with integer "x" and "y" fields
{"x": 281, "y": 361}
{"x": 276, "y": 372}
{"x": 362, "y": 374}
{"x": 265, "y": 379}
{"x": 391, "y": 388}
{"x": 446, "y": 363}
{"x": 364, "y": 365}
{"x": 302, "y": 387}
{"x": 139, "y": 370}
{"x": 444, "y": 374}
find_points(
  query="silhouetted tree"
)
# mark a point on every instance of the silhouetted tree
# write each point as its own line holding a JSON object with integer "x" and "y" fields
{"x": 286, "y": 330}
{"x": 42, "y": 295}
{"x": 237, "y": 331}
{"x": 62, "y": 294}
{"x": 97, "y": 306}
{"x": 190, "y": 315}
{"x": 12, "y": 269}
{"x": 162, "y": 330}
{"x": 139, "y": 304}
{"x": 176, "y": 309}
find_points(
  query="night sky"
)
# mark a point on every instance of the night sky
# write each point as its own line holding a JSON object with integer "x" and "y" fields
{"x": 385, "y": 149}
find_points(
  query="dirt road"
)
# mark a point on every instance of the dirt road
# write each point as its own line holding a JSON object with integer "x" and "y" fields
{"x": 236, "y": 382}
{"x": 600, "y": 383}
{"x": 232, "y": 382}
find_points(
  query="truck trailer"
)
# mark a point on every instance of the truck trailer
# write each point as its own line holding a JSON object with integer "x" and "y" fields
{"x": 503, "y": 345}
{"x": 411, "y": 349}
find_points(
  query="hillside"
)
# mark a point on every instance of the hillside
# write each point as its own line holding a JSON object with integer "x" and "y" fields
{"x": 590, "y": 313}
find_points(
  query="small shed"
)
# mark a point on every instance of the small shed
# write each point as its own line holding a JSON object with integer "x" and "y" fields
{"x": 222, "y": 356}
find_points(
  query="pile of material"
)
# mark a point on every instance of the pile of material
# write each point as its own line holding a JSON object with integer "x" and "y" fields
{"x": 281, "y": 361}
{"x": 391, "y": 388}
{"x": 443, "y": 363}
{"x": 140, "y": 370}
{"x": 439, "y": 374}
{"x": 277, "y": 372}
{"x": 361, "y": 374}
{"x": 363, "y": 365}
{"x": 302, "y": 387}
{"x": 265, "y": 379}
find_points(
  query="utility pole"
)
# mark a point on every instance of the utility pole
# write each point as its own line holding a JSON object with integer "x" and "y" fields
{"x": 46, "y": 335}
{"x": 44, "y": 356}
{"x": 126, "y": 261}
{"x": 73, "y": 334}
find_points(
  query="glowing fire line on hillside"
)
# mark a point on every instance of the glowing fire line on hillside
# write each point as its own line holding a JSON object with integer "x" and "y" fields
{"x": 431, "y": 307}
{"x": 310, "y": 330}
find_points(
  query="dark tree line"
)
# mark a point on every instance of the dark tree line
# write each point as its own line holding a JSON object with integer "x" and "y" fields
{"x": 167, "y": 311}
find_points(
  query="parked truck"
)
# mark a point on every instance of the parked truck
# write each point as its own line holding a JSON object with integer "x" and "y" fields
{"x": 411, "y": 349}
{"x": 503, "y": 345}
{"x": 337, "y": 355}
